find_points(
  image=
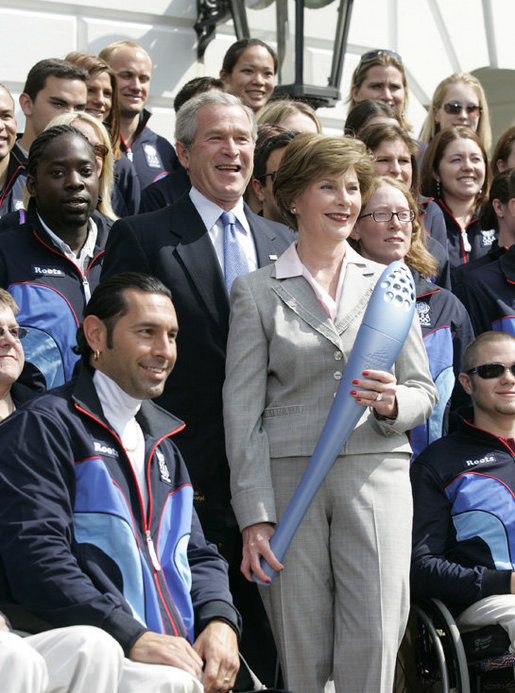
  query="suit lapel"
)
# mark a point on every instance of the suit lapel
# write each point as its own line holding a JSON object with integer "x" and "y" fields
{"x": 264, "y": 236}
{"x": 198, "y": 257}
{"x": 298, "y": 295}
{"x": 357, "y": 289}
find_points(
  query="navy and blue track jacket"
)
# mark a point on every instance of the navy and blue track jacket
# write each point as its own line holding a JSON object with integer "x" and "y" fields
{"x": 150, "y": 154}
{"x": 480, "y": 240}
{"x": 446, "y": 330}
{"x": 488, "y": 293}
{"x": 464, "y": 517}
{"x": 49, "y": 291}
{"x": 77, "y": 545}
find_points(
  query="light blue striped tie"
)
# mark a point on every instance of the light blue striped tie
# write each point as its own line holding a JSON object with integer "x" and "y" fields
{"x": 235, "y": 262}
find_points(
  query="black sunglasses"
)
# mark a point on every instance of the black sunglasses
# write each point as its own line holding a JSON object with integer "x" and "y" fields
{"x": 491, "y": 370}
{"x": 372, "y": 55}
{"x": 262, "y": 179}
{"x": 456, "y": 108}
{"x": 15, "y": 332}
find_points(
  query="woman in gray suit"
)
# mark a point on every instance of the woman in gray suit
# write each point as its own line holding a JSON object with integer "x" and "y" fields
{"x": 340, "y": 603}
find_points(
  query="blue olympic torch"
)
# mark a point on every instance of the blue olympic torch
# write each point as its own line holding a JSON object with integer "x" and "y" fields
{"x": 382, "y": 333}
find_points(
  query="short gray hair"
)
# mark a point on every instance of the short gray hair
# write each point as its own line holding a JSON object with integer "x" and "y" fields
{"x": 186, "y": 121}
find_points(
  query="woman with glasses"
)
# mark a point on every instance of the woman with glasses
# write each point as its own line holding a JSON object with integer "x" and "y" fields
{"x": 459, "y": 100}
{"x": 455, "y": 172}
{"x": 388, "y": 229}
{"x": 339, "y": 606}
{"x": 12, "y": 358}
{"x": 395, "y": 156}
{"x": 380, "y": 75}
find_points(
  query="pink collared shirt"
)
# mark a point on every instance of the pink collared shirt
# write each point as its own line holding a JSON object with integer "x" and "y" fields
{"x": 289, "y": 265}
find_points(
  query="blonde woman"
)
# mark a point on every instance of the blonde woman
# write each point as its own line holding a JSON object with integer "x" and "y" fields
{"x": 459, "y": 100}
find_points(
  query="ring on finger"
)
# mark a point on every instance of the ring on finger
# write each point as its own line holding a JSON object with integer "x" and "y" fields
{"x": 379, "y": 397}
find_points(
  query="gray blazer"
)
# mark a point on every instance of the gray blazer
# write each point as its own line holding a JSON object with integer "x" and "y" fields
{"x": 285, "y": 358}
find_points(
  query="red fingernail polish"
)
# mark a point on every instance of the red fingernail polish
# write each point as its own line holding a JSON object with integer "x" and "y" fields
{"x": 354, "y": 382}
{"x": 365, "y": 372}
{"x": 358, "y": 399}
{"x": 353, "y": 392}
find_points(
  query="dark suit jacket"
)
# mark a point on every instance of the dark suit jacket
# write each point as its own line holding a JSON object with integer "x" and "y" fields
{"x": 173, "y": 244}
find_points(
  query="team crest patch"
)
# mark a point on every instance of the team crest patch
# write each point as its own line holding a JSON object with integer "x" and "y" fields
{"x": 424, "y": 314}
{"x": 487, "y": 237}
{"x": 152, "y": 157}
{"x": 163, "y": 469}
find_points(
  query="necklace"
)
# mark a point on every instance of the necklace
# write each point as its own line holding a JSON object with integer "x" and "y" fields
{"x": 132, "y": 440}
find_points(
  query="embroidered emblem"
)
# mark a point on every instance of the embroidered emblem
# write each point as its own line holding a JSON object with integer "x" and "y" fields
{"x": 163, "y": 469}
{"x": 424, "y": 314}
{"x": 487, "y": 237}
{"x": 47, "y": 271}
{"x": 483, "y": 460}
{"x": 105, "y": 449}
{"x": 152, "y": 157}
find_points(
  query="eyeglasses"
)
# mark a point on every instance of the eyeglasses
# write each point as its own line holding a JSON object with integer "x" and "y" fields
{"x": 262, "y": 179}
{"x": 15, "y": 332}
{"x": 487, "y": 371}
{"x": 456, "y": 108}
{"x": 101, "y": 151}
{"x": 381, "y": 215}
{"x": 372, "y": 55}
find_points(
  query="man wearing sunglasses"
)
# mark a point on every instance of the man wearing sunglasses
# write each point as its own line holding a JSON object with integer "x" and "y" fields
{"x": 463, "y": 493}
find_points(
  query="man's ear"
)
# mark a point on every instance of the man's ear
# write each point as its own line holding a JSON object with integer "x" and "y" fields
{"x": 183, "y": 154}
{"x": 26, "y": 104}
{"x": 258, "y": 189}
{"x": 466, "y": 383}
{"x": 95, "y": 332}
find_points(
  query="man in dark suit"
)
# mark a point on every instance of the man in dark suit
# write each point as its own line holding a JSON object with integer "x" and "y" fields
{"x": 183, "y": 245}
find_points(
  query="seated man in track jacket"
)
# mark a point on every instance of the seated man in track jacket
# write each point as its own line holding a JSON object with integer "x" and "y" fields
{"x": 463, "y": 495}
{"x": 51, "y": 262}
{"x": 99, "y": 505}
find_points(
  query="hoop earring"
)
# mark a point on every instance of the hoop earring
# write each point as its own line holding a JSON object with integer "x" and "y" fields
{"x": 96, "y": 355}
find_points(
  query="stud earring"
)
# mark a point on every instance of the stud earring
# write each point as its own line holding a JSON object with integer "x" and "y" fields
{"x": 293, "y": 210}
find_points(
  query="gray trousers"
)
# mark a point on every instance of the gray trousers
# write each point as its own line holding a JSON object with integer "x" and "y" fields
{"x": 341, "y": 604}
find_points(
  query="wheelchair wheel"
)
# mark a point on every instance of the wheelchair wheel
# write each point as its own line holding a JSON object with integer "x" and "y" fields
{"x": 431, "y": 657}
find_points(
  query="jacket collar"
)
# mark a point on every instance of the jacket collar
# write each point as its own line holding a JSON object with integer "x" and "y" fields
{"x": 33, "y": 221}
{"x": 467, "y": 427}
{"x": 154, "y": 421}
{"x": 357, "y": 289}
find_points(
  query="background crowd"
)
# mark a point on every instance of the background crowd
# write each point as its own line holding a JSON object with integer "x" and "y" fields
{"x": 253, "y": 187}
